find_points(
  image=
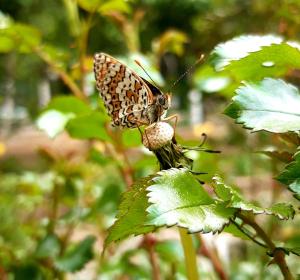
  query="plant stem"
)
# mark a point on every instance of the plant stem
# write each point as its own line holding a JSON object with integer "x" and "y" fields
{"x": 278, "y": 255}
{"x": 54, "y": 208}
{"x": 189, "y": 254}
{"x": 62, "y": 74}
{"x": 214, "y": 258}
{"x": 149, "y": 241}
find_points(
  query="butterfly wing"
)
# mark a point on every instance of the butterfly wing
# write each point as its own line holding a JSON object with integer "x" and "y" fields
{"x": 126, "y": 96}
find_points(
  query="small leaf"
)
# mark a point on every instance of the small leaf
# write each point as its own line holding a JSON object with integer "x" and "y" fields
{"x": 270, "y": 61}
{"x": 283, "y": 156}
{"x": 240, "y": 47}
{"x": 53, "y": 122}
{"x": 20, "y": 37}
{"x": 208, "y": 80}
{"x": 69, "y": 104}
{"x": 76, "y": 258}
{"x": 27, "y": 271}
{"x": 48, "y": 247}
{"x": 295, "y": 251}
{"x": 104, "y": 7}
{"x": 114, "y": 6}
{"x": 178, "y": 199}
{"x": 235, "y": 200}
{"x": 292, "y": 245}
{"x": 132, "y": 213}
{"x": 291, "y": 176}
{"x": 270, "y": 105}
{"x": 89, "y": 126}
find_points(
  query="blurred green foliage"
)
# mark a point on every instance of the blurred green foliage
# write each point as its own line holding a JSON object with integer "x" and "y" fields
{"x": 54, "y": 216}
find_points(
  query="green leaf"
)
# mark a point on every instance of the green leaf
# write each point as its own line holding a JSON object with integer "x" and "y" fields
{"x": 131, "y": 138}
{"x": 20, "y": 37}
{"x": 69, "y": 104}
{"x": 60, "y": 111}
{"x": 48, "y": 247}
{"x": 89, "y": 126}
{"x": 90, "y": 5}
{"x": 114, "y": 5}
{"x": 53, "y": 122}
{"x": 270, "y": 105}
{"x": 132, "y": 215}
{"x": 234, "y": 230}
{"x": 270, "y": 61}
{"x": 178, "y": 199}
{"x": 292, "y": 245}
{"x": 283, "y": 156}
{"x": 208, "y": 80}
{"x": 27, "y": 271}
{"x": 76, "y": 258}
{"x": 235, "y": 200}
{"x": 104, "y": 7}
{"x": 240, "y": 47}
{"x": 57, "y": 55}
{"x": 291, "y": 176}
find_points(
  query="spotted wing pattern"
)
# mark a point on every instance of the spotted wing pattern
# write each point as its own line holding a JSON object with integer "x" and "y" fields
{"x": 127, "y": 98}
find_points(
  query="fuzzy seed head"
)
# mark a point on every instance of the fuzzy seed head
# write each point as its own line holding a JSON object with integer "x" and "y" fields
{"x": 157, "y": 135}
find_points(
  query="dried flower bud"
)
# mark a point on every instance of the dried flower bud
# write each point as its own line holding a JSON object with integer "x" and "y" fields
{"x": 157, "y": 135}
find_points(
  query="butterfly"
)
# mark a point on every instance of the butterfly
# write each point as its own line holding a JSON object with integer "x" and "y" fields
{"x": 130, "y": 100}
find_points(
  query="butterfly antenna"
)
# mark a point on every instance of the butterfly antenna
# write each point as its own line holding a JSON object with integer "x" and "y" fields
{"x": 139, "y": 64}
{"x": 187, "y": 71}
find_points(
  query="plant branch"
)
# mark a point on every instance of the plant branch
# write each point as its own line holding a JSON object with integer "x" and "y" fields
{"x": 189, "y": 254}
{"x": 214, "y": 258}
{"x": 149, "y": 242}
{"x": 62, "y": 74}
{"x": 83, "y": 42}
{"x": 277, "y": 253}
{"x": 244, "y": 231}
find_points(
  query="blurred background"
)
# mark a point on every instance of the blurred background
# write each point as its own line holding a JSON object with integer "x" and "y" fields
{"x": 61, "y": 180}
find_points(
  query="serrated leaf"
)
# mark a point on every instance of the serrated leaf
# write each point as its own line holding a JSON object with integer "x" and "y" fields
{"x": 132, "y": 214}
{"x": 291, "y": 176}
{"x": 270, "y": 61}
{"x": 270, "y": 105}
{"x": 89, "y": 126}
{"x": 235, "y": 200}
{"x": 240, "y": 47}
{"x": 177, "y": 198}
{"x": 76, "y": 258}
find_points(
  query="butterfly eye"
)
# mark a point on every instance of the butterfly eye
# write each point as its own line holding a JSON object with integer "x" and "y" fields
{"x": 161, "y": 100}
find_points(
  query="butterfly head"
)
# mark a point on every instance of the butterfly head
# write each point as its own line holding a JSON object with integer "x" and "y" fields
{"x": 164, "y": 101}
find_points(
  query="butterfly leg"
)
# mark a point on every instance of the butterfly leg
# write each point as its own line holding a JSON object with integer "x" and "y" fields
{"x": 139, "y": 124}
{"x": 172, "y": 117}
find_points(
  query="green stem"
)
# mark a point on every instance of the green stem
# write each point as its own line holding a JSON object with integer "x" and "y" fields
{"x": 189, "y": 254}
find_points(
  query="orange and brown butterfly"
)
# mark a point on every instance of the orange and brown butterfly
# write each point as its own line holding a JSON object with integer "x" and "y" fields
{"x": 130, "y": 100}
